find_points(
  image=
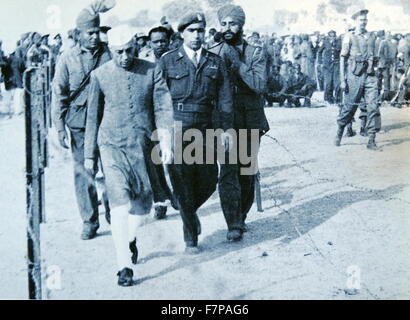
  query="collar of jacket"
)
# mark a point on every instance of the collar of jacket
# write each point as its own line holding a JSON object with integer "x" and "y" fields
{"x": 79, "y": 49}
{"x": 182, "y": 54}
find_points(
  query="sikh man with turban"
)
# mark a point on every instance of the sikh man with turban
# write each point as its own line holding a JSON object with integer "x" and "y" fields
{"x": 128, "y": 101}
{"x": 248, "y": 67}
{"x": 70, "y": 94}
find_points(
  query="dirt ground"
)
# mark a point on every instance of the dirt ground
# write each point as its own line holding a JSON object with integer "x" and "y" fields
{"x": 335, "y": 224}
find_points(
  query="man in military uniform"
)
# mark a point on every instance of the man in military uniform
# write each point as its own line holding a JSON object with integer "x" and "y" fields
{"x": 277, "y": 87}
{"x": 159, "y": 44}
{"x": 330, "y": 59}
{"x": 387, "y": 60}
{"x": 199, "y": 84}
{"x": 300, "y": 87}
{"x": 159, "y": 39}
{"x": 70, "y": 94}
{"x": 247, "y": 67}
{"x": 360, "y": 81}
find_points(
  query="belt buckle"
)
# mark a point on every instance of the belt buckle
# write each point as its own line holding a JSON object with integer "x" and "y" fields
{"x": 180, "y": 106}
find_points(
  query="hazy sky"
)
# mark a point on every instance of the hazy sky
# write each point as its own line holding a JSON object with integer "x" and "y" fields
{"x": 54, "y": 16}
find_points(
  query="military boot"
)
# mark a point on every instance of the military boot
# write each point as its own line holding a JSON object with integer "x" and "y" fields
{"x": 339, "y": 135}
{"x": 349, "y": 131}
{"x": 363, "y": 128}
{"x": 372, "y": 143}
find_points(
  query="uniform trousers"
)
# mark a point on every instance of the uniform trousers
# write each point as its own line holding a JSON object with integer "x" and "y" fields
{"x": 85, "y": 189}
{"x": 362, "y": 90}
{"x": 193, "y": 184}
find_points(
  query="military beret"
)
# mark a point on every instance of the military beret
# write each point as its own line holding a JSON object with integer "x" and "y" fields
{"x": 235, "y": 12}
{"x": 190, "y": 18}
{"x": 360, "y": 13}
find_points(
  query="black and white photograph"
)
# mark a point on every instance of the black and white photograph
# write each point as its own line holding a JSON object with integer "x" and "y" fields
{"x": 205, "y": 150}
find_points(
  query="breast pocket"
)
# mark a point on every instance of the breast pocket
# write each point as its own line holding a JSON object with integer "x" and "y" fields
{"x": 178, "y": 82}
{"x": 210, "y": 81}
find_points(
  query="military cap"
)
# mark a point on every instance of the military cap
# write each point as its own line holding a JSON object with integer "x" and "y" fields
{"x": 90, "y": 18}
{"x": 87, "y": 20}
{"x": 190, "y": 18}
{"x": 45, "y": 36}
{"x": 255, "y": 34}
{"x": 235, "y": 12}
{"x": 359, "y": 13}
{"x": 331, "y": 32}
{"x": 57, "y": 36}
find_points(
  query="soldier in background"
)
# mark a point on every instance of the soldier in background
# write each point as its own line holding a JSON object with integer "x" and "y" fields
{"x": 277, "y": 87}
{"x": 159, "y": 38}
{"x": 300, "y": 86}
{"x": 329, "y": 58}
{"x": 359, "y": 81}
{"x": 307, "y": 61}
{"x": 70, "y": 94}
{"x": 386, "y": 66}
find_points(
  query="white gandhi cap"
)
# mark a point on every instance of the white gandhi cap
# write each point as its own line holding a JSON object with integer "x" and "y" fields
{"x": 121, "y": 35}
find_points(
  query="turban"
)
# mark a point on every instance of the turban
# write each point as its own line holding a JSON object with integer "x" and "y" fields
{"x": 89, "y": 18}
{"x": 191, "y": 18}
{"x": 235, "y": 12}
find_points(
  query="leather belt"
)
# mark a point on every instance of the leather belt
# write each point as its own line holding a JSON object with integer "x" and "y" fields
{"x": 190, "y": 107}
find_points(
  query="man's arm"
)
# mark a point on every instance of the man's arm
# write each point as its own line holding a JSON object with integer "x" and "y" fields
{"x": 163, "y": 113}
{"x": 225, "y": 98}
{"x": 163, "y": 109}
{"x": 95, "y": 107}
{"x": 344, "y": 55}
{"x": 61, "y": 93}
{"x": 255, "y": 74}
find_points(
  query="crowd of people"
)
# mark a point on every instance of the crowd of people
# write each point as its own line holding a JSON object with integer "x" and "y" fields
{"x": 114, "y": 89}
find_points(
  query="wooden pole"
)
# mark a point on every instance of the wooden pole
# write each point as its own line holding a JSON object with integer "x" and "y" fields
{"x": 33, "y": 194}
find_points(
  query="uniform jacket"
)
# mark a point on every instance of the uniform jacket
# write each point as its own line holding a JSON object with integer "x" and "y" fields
{"x": 359, "y": 49}
{"x": 387, "y": 53}
{"x": 12, "y": 70}
{"x": 249, "y": 84}
{"x": 297, "y": 82}
{"x": 330, "y": 53}
{"x": 72, "y": 67}
{"x": 148, "y": 54}
{"x": 207, "y": 86}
